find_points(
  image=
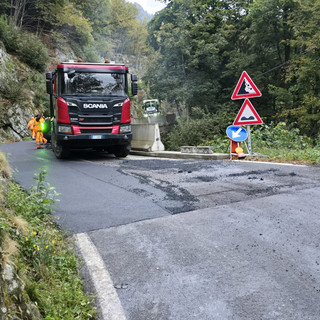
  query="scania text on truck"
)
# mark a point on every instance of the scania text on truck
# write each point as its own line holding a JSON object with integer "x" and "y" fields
{"x": 90, "y": 107}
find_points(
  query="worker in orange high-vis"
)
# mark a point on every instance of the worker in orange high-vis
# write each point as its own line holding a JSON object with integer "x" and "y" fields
{"x": 39, "y": 135}
{"x": 31, "y": 124}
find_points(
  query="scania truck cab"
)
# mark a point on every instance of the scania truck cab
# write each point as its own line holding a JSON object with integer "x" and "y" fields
{"x": 90, "y": 107}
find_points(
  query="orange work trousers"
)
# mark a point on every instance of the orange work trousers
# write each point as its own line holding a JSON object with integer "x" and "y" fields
{"x": 40, "y": 139}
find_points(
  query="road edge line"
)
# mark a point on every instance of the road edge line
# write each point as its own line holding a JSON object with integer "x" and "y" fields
{"x": 107, "y": 296}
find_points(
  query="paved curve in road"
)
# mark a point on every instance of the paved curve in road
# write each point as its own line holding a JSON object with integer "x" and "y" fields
{"x": 189, "y": 239}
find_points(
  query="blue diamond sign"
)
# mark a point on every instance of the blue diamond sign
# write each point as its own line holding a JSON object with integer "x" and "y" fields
{"x": 237, "y": 133}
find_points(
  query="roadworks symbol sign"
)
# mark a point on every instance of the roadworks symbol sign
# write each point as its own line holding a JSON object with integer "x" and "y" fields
{"x": 247, "y": 115}
{"x": 245, "y": 88}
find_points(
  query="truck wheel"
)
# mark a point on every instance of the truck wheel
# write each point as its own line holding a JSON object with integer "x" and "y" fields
{"x": 60, "y": 151}
{"x": 121, "y": 151}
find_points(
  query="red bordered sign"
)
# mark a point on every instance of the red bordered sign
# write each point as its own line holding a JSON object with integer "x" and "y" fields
{"x": 245, "y": 88}
{"x": 247, "y": 115}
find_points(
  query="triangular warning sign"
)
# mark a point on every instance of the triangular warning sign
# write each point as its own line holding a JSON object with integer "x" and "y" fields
{"x": 245, "y": 88}
{"x": 247, "y": 115}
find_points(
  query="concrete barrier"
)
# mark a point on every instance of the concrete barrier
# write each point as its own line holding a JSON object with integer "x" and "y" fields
{"x": 198, "y": 149}
{"x": 151, "y": 119}
{"x": 146, "y": 137}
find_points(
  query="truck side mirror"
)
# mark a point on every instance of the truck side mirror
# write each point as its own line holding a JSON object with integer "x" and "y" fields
{"x": 49, "y": 87}
{"x": 134, "y": 77}
{"x": 71, "y": 74}
{"x": 134, "y": 88}
{"x": 49, "y": 76}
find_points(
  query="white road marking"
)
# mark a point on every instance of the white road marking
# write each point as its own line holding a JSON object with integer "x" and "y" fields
{"x": 107, "y": 296}
{"x": 273, "y": 163}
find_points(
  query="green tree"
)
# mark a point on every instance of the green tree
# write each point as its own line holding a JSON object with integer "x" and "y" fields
{"x": 123, "y": 18}
{"x": 187, "y": 54}
{"x": 304, "y": 72}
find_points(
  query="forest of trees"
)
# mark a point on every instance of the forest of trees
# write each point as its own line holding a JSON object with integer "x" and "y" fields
{"x": 196, "y": 50}
{"x": 201, "y": 48}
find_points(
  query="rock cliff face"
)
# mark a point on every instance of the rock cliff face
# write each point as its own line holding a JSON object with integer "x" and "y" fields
{"x": 14, "y": 302}
{"x": 14, "y": 115}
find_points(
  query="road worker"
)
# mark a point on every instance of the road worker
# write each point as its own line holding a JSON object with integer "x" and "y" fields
{"x": 39, "y": 135}
{"x": 31, "y": 124}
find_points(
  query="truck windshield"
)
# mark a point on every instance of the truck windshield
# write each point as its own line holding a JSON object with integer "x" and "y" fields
{"x": 98, "y": 84}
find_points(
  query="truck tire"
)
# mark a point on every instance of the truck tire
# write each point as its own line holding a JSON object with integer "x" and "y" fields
{"x": 60, "y": 151}
{"x": 121, "y": 151}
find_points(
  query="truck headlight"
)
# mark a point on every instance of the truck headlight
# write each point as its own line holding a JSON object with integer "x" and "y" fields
{"x": 71, "y": 104}
{"x": 64, "y": 129}
{"x": 124, "y": 128}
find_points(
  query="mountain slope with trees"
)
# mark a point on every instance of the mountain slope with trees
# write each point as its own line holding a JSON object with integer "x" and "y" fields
{"x": 36, "y": 34}
{"x": 196, "y": 51}
{"x": 200, "y": 49}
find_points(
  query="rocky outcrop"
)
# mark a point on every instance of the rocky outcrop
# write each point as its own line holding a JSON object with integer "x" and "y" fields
{"x": 18, "y": 120}
{"x": 14, "y": 302}
{"x": 14, "y": 115}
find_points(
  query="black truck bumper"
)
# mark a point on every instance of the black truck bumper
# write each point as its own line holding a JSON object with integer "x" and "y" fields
{"x": 94, "y": 140}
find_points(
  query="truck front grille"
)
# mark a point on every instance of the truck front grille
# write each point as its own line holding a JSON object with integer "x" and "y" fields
{"x": 101, "y": 120}
{"x": 95, "y": 131}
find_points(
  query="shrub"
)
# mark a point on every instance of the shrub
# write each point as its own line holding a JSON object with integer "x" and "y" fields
{"x": 279, "y": 136}
{"x": 27, "y": 46}
{"x": 46, "y": 263}
{"x": 219, "y": 143}
{"x": 5, "y": 170}
{"x": 11, "y": 89}
{"x": 188, "y": 133}
{"x": 9, "y": 35}
{"x": 202, "y": 128}
{"x": 32, "y": 51}
{"x": 35, "y": 81}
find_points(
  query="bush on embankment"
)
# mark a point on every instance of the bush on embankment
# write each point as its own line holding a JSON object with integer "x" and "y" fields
{"x": 39, "y": 271}
{"x": 274, "y": 142}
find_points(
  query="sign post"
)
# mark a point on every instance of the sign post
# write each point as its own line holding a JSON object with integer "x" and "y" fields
{"x": 249, "y": 141}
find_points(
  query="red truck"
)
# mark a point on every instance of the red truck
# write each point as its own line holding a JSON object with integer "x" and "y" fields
{"x": 90, "y": 107}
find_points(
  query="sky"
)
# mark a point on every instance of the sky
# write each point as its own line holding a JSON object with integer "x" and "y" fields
{"x": 150, "y": 6}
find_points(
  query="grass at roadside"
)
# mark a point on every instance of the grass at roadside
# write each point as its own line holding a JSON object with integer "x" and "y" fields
{"x": 275, "y": 144}
{"x": 305, "y": 156}
{"x": 42, "y": 254}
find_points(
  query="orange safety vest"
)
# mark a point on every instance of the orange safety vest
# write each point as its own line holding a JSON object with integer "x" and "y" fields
{"x": 31, "y": 123}
{"x": 37, "y": 124}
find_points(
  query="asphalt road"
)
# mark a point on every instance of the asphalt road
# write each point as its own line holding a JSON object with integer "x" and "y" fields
{"x": 189, "y": 239}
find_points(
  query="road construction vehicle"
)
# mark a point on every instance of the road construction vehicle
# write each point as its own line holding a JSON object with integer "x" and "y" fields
{"x": 151, "y": 106}
{"x": 90, "y": 107}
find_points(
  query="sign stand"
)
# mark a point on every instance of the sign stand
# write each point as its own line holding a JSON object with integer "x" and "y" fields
{"x": 230, "y": 146}
{"x": 234, "y": 154}
{"x": 238, "y": 145}
{"x": 249, "y": 141}
{"x": 246, "y": 147}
